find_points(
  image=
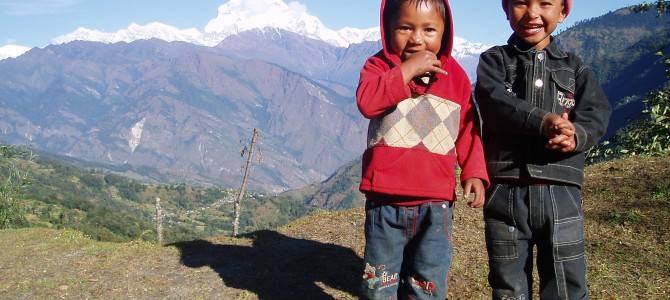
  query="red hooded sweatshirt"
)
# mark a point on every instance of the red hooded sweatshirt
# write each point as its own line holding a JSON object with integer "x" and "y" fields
{"x": 418, "y": 133}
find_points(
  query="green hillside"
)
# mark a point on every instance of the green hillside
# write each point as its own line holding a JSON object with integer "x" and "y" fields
{"x": 108, "y": 207}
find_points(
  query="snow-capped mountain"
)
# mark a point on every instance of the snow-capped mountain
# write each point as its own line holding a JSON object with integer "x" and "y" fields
{"x": 237, "y": 16}
{"x": 134, "y": 32}
{"x": 12, "y": 51}
{"x": 234, "y": 17}
{"x": 466, "y": 49}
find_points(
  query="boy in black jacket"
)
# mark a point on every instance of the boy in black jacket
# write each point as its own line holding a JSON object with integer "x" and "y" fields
{"x": 542, "y": 108}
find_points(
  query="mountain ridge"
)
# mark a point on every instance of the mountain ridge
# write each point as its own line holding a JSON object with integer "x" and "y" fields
{"x": 182, "y": 108}
{"x": 189, "y": 110}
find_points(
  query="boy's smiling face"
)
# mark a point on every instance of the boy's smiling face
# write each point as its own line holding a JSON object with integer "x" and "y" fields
{"x": 535, "y": 20}
{"x": 417, "y": 28}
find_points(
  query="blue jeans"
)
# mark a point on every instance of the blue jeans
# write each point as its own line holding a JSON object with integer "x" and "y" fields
{"x": 408, "y": 251}
{"x": 549, "y": 217}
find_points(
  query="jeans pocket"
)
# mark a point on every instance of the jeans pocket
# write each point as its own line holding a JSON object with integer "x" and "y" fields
{"x": 498, "y": 203}
{"x": 500, "y": 230}
{"x": 569, "y": 239}
{"x": 567, "y": 202}
{"x": 501, "y": 241}
{"x": 371, "y": 213}
{"x": 568, "y": 227}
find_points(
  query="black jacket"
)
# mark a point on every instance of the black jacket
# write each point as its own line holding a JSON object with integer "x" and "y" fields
{"x": 517, "y": 87}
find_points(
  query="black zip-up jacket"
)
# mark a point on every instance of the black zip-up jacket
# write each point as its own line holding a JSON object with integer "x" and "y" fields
{"x": 517, "y": 88}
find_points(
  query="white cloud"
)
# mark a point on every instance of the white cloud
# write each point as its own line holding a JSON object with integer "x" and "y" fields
{"x": 243, "y": 14}
{"x": 297, "y": 8}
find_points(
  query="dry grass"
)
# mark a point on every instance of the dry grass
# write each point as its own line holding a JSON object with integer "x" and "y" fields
{"x": 626, "y": 203}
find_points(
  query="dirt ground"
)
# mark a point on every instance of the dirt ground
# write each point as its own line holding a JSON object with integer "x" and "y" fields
{"x": 314, "y": 258}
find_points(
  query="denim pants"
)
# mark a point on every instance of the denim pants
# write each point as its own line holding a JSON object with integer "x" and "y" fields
{"x": 408, "y": 251}
{"x": 549, "y": 217}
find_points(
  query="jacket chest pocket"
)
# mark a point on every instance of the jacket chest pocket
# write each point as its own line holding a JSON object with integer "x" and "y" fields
{"x": 563, "y": 91}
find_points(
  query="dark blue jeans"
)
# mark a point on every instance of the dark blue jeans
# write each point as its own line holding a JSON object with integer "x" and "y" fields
{"x": 549, "y": 217}
{"x": 408, "y": 251}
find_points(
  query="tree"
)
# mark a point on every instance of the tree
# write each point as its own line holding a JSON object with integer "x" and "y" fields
{"x": 14, "y": 178}
{"x": 650, "y": 135}
{"x": 236, "y": 219}
{"x": 662, "y": 6}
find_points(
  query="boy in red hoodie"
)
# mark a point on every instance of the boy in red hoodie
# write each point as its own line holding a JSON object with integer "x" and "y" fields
{"x": 422, "y": 123}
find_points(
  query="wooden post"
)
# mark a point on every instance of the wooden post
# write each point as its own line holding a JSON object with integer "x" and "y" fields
{"x": 236, "y": 221}
{"x": 159, "y": 222}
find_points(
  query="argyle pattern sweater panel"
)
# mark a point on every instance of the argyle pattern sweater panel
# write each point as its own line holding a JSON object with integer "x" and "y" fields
{"x": 425, "y": 122}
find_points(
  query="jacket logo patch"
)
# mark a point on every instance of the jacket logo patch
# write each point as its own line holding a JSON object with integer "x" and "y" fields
{"x": 567, "y": 101}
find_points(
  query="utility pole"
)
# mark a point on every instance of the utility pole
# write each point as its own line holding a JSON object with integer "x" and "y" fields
{"x": 236, "y": 221}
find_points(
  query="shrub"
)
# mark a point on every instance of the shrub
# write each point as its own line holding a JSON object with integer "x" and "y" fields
{"x": 14, "y": 178}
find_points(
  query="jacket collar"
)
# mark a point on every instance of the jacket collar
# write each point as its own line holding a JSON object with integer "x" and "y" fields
{"x": 552, "y": 49}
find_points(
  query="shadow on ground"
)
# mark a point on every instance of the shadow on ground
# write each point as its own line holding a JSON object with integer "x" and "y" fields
{"x": 277, "y": 266}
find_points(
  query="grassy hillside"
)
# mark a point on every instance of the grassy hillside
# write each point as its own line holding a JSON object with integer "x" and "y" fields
{"x": 340, "y": 191}
{"x": 626, "y": 204}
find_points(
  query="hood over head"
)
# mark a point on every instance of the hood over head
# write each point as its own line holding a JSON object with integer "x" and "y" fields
{"x": 447, "y": 37}
{"x": 566, "y": 3}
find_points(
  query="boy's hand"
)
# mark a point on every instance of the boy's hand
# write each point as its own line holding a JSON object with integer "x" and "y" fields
{"x": 420, "y": 63}
{"x": 560, "y": 132}
{"x": 476, "y": 186}
{"x": 562, "y": 143}
{"x": 555, "y": 125}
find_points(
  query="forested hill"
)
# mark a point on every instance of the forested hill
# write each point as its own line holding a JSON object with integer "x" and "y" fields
{"x": 621, "y": 49}
{"x": 108, "y": 207}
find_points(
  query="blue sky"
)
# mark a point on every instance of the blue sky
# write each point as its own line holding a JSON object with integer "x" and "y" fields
{"x": 36, "y": 22}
